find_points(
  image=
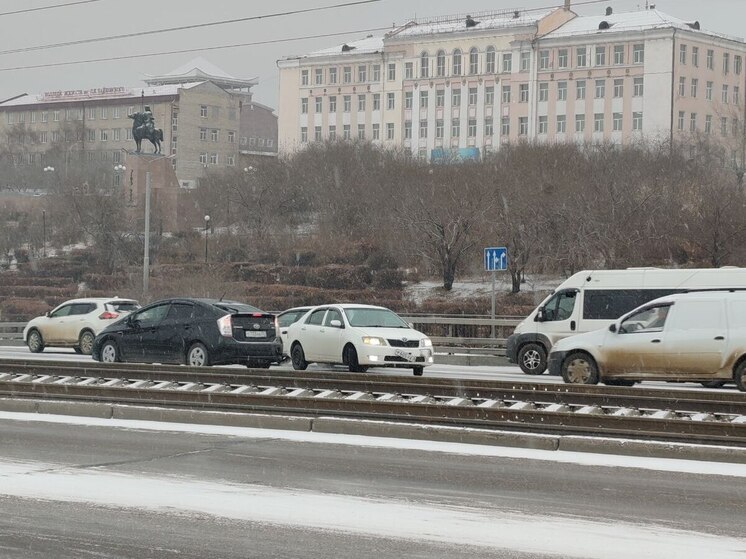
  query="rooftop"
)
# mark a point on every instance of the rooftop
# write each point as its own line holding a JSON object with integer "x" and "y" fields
{"x": 474, "y": 22}
{"x": 368, "y": 45}
{"x": 203, "y": 70}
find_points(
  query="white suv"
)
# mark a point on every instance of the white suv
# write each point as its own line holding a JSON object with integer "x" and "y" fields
{"x": 75, "y": 323}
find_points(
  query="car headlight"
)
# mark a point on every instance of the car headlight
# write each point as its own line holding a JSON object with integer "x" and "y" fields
{"x": 426, "y": 342}
{"x": 371, "y": 340}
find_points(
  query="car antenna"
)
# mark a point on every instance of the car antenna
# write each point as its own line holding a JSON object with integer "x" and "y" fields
{"x": 221, "y": 297}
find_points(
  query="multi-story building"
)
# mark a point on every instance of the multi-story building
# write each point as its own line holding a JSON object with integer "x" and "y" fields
{"x": 467, "y": 84}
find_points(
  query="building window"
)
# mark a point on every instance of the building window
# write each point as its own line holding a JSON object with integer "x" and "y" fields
{"x": 600, "y": 89}
{"x": 424, "y": 64}
{"x": 304, "y": 105}
{"x": 488, "y": 129}
{"x": 506, "y": 94}
{"x": 736, "y": 95}
{"x": 710, "y": 59}
{"x": 362, "y": 74}
{"x": 456, "y": 98}
{"x": 543, "y": 92}
{"x": 472, "y": 96}
{"x": 408, "y": 71}
{"x": 695, "y": 57}
{"x": 489, "y": 95}
{"x": 580, "y": 89}
{"x": 231, "y": 137}
{"x": 55, "y": 116}
{"x": 361, "y": 103}
{"x": 579, "y": 123}
{"x": 522, "y": 125}
{"x": 333, "y": 104}
{"x": 91, "y": 113}
{"x": 214, "y": 135}
{"x": 91, "y": 134}
{"x": 376, "y": 72}
{"x": 562, "y": 91}
{"x": 723, "y": 124}
{"x": 408, "y": 130}
{"x": 56, "y": 135}
{"x": 203, "y": 158}
{"x": 638, "y": 54}
{"x": 346, "y": 132}
{"x": 619, "y": 88}
{"x": 600, "y": 56}
{"x": 562, "y": 58}
{"x": 682, "y": 86}
{"x": 724, "y": 96}
{"x": 203, "y": 111}
{"x": 304, "y": 134}
{"x": 523, "y": 90}
{"x": 681, "y": 120}
{"x": 203, "y": 134}
{"x": 581, "y": 57}
{"x": 440, "y": 63}
{"x": 424, "y": 99}
{"x": 473, "y": 61}
{"x": 376, "y": 101}
{"x": 43, "y": 138}
{"x": 693, "y": 122}
{"x": 561, "y": 124}
{"x": 213, "y": 159}
{"x": 490, "y": 60}
{"x": 361, "y": 131}
{"x": 332, "y": 75}
{"x": 682, "y": 54}
{"x": 347, "y": 74}
{"x": 389, "y": 130}
{"x": 304, "y": 77}
{"x": 471, "y": 129}
{"x": 318, "y": 104}
{"x": 735, "y": 126}
{"x": 44, "y": 116}
{"x": 639, "y": 87}
{"x": 116, "y": 112}
{"x": 694, "y": 85}
{"x": 708, "y": 124}
{"x": 391, "y": 72}
{"x": 598, "y": 122}
{"x": 127, "y": 133}
{"x": 708, "y": 91}
{"x": 390, "y": 101}
{"x": 319, "y": 76}
{"x": 439, "y": 129}
{"x": 505, "y": 126}
{"x": 737, "y": 64}
{"x": 525, "y": 61}
{"x": 117, "y": 135}
{"x": 456, "y": 66}
{"x": 347, "y": 103}
{"x": 543, "y": 124}
{"x": 618, "y": 54}
{"x": 230, "y": 160}
{"x": 617, "y": 122}
{"x": 332, "y": 132}
{"x": 423, "y": 129}
{"x": 455, "y": 128}
{"x": 726, "y": 63}
{"x": 543, "y": 59}
{"x": 507, "y": 62}
{"x": 376, "y": 131}
{"x": 408, "y": 96}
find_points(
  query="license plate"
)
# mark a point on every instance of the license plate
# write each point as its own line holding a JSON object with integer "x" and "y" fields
{"x": 404, "y": 355}
{"x": 255, "y": 334}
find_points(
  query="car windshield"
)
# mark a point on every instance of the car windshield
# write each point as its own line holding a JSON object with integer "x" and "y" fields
{"x": 374, "y": 318}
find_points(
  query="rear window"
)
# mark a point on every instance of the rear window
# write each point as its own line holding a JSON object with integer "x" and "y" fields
{"x": 288, "y": 318}
{"x": 122, "y": 306}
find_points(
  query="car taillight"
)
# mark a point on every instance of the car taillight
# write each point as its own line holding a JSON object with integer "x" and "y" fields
{"x": 108, "y": 315}
{"x": 225, "y": 325}
{"x": 277, "y": 325}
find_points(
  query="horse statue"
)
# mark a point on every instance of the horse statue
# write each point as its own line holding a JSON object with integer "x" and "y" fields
{"x": 143, "y": 128}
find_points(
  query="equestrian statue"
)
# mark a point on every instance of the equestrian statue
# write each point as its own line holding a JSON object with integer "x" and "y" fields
{"x": 143, "y": 128}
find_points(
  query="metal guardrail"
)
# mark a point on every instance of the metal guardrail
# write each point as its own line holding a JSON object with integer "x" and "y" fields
{"x": 11, "y": 330}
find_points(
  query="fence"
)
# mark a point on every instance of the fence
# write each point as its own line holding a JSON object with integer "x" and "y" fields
{"x": 11, "y": 332}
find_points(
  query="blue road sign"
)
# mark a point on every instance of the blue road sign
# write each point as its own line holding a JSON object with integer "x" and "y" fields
{"x": 495, "y": 259}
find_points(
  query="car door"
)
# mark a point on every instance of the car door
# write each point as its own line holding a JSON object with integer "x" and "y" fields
{"x": 77, "y": 320}
{"x": 559, "y": 315}
{"x": 139, "y": 342}
{"x": 53, "y": 328}
{"x": 330, "y": 337}
{"x": 310, "y": 335}
{"x": 172, "y": 333}
{"x": 636, "y": 348}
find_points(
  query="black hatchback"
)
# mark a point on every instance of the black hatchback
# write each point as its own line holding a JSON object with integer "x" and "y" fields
{"x": 197, "y": 332}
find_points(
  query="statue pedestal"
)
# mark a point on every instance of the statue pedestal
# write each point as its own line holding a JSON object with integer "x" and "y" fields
{"x": 164, "y": 190}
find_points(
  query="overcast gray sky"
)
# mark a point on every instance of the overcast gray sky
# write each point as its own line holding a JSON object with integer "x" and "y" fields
{"x": 114, "y": 17}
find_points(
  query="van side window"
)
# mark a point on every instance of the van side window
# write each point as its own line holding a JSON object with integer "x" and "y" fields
{"x": 560, "y": 306}
{"x": 609, "y": 304}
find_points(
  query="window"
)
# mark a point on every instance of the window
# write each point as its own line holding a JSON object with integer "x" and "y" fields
{"x": 389, "y": 130}
{"x": 561, "y": 124}
{"x": 423, "y": 129}
{"x": 708, "y": 91}
{"x": 408, "y": 71}
{"x": 560, "y": 306}
{"x": 55, "y": 116}
{"x": 33, "y": 117}
{"x": 600, "y": 89}
{"x": 724, "y": 96}
{"x": 562, "y": 91}
{"x": 637, "y": 121}
{"x": 598, "y": 122}
{"x": 117, "y": 135}
{"x": 56, "y": 135}
{"x": 581, "y": 57}
{"x": 347, "y": 103}
{"x": 736, "y": 95}
{"x": 639, "y": 88}
{"x": 347, "y": 74}
{"x": 694, "y": 85}
{"x": 202, "y": 111}
{"x": 455, "y": 128}
{"x": 580, "y": 89}
{"x": 617, "y": 122}
{"x": 682, "y": 54}
{"x": 408, "y": 130}
{"x": 473, "y": 61}
{"x": 489, "y": 95}
{"x": 408, "y": 95}
{"x": 472, "y": 96}
{"x": 203, "y": 134}
{"x": 490, "y": 60}
{"x": 346, "y": 132}
{"x": 304, "y": 105}
{"x": 737, "y": 64}
{"x": 723, "y": 125}
{"x": 304, "y": 77}
{"x": 472, "y": 128}
{"x": 456, "y": 98}
{"x": 376, "y": 131}
{"x": 361, "y": 103}
{"x": 361, "y": 131}
{"x": 682, "y": 86}
{"x": 318, "y": 104}
{"x": 332, "y": 75}
{"x": 735, "y": 126}
{"x": 708, "y": 124}
{"x": 693, "y": 122}
{"x": 681, "y": 120}
{"x": 602, "y": 304}
{"x": 618, "y": 54}
{"x": 333, "y": 104}
{"x": 522, "y": 125}
{"x": 362, "y": 74}
{"x": 488, "y": 129}
{"x": 710, "y": 59}
{"x": 319, "y": 76}
{"x": 456, "y": 64}
{"x": 695, "y": 57}
{"x": 390, "y": 101}
{"x": 600, "y": 56}
{"x": 562, "y": 58}
{"x": 543, "y": 59}
{"x": 619, "y": 88}
{"x": 507, "y": 62}
{"x": 506, "y": 94}
{"x": 638, "y": 54}
{"x": 543, "y": 124}
{"x": 424, "y": 99}
{"x": 391, "y": 73}
{"x": 91, "y": 134}
{"x": 439, "y": 128}
{"x": 203, "y": 156}
{"x": 523, "y": 90}
{"x": 525, "y": 61}
{"x": 376, "y": 101}
{"x": 332, "y": 132}
{"x": 505, "y": 126}
{"x": 214, "y": 135}
{"x": 376, "y": 73}
{"x": 44, "y": 116}
{"x": 440, "y": 63}
{"x": 424, "y": 65}
{"x": 116, "y": 112}
{"x": 317, "y": 134}
{"x": 43, "y": 137}
{"x": 543, "y": 92}
{"x": 726, "y": 63}
{"x": 91, "y": 113}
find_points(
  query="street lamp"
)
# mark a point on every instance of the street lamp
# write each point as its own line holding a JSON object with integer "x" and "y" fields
{"x": 119, "y": 168}
{"x": 47, "y": 169}
{"x": 207, "y": 222}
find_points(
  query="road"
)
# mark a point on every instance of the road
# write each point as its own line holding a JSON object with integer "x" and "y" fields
{"x": 105, "y": 489}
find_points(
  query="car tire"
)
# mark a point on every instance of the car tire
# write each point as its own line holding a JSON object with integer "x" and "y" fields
{"x": 740, "y": 376}
{"x": 618, "y": 382}
{"x": 713, "y": 383}
{"x": 197, "y": 356}
{"x": 579, "y": 368}
{"x": 35, "y": 342}
{"x": 85, "y": 342}
{"x": 418, "y": 371}
{"x": 532, "y": 359}
{"x": 298, "y": 358}
{"x": 109, "y": 352}
{"x": 349, "y": 358}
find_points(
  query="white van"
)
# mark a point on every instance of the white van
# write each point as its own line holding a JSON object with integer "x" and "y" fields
{"x": 593, "y": 299}
{"x": 696, "y": 336}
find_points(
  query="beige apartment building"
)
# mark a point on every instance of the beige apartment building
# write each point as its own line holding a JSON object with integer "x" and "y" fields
{"x": 467, "y": 84}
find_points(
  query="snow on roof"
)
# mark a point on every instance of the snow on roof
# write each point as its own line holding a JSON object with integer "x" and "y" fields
{"x": 97, "y": 94}
{"x": 200, "y": 69}
{"x": 640, "y": 20}
{"x": 369, "y": 45}
{"x": 197, "y": 64}
{"x": 483, "y": 20}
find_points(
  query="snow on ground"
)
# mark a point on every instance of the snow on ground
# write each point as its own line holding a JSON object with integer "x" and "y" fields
{"x": 481, "y": 286}
{"x": 432, "y": 522}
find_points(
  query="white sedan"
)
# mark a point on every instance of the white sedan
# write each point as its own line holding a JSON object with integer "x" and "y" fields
{"x": 75, "y": 323}
{"x": 359, "y": 336}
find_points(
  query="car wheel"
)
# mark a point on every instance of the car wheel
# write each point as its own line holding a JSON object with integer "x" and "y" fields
{"x": 197, "y": 356}
{"x": 418, "y": 371}
{"x": 109, "y": 352}
{"x": 579, "y": 368}
{"x": 713, "y": 383}
{"x": 618, "y": 382}
{"x": 298, "y": 358}
{"x": 532, "y": 359}
{"x": 35, "y": 342}
{"x": 85, "y": 342}
{"x": 350, "y": 359}
{"x": 740, "y": 376}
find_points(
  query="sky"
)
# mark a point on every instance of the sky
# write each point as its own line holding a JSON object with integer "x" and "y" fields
{"x": 106, "y": 18}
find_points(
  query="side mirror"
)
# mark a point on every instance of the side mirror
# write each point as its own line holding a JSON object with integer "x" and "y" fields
{"x": 48, "y": 314}
{"x": 539, "y": 315}
{"x": 336, "y": 324}
{"x": 612, "y": 328}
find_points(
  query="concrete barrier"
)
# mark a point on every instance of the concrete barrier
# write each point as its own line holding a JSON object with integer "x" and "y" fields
{"x": 85, "y": 409}
{"x": 19, "y": 406}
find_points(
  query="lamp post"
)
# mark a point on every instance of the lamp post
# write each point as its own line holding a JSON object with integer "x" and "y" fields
{"x": 207, "y": 222}
{"x": 47, "y": 169}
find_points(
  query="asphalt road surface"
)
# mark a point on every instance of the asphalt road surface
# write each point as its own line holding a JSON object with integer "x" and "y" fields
{"x": 116, "y": 490}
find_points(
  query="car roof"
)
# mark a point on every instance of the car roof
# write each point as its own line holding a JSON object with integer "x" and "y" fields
{"x": 296, "y": 309}
{"x": 99, "y": 300}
